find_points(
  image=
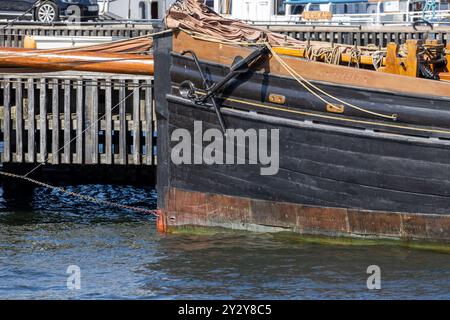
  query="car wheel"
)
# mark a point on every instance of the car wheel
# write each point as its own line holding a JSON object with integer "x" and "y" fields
{"x": 47, "y": 12}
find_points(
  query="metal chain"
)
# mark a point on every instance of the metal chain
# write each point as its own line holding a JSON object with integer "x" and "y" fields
{"x": 81, "y": 196}
{"x": 71, "y": 193}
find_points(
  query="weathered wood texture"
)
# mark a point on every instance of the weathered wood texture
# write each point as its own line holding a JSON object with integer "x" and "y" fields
{"x": 73, "y": 118}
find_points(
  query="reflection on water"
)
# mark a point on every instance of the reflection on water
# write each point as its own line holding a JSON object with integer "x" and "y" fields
{"x": 122, "y": 256}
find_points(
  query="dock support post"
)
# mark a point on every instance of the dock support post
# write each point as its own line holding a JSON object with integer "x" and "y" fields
{"x": 108, "y": 123}
{"x": 43, "y": 121}
{"x": 94, "y": 123}
{"x": 122, "y": 123}
{"x": 55, "y": 122}
{"x": 31, "y": 122}
{"x": 136, "y": 123}
{"x": 19, "y": 121}
{"x": 149, "y": 122}
{"x": 80, "y": 121}
{"x": 7, "y": 121}
{"x": 67, "y": 122}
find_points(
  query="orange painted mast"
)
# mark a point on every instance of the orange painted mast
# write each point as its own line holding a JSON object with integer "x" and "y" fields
{"x": 77, "y": 60}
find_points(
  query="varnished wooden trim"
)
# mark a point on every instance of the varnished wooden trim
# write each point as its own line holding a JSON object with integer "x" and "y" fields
{"x": 316, "y": 71}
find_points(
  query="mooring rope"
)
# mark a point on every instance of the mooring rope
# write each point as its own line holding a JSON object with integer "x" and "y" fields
{"x": 81, "y": 196}
{"x": 300, "y": 79}
{"x": 377, "y": 59}
{"x": 310, "y": 87}
{"x": 330, "y": 116}
{"x": 355, "y": 56}
{"x": 304, "y": 82}
{"x": 74, "y": 194}
{"x": 78, "y": 195}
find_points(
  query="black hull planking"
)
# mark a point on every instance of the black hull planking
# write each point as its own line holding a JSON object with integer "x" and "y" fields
{"x": 351, "y": 174}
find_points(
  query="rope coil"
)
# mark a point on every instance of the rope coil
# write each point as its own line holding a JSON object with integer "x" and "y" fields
{"x": 305, "y": 83}
{"x": 310, "y": 87}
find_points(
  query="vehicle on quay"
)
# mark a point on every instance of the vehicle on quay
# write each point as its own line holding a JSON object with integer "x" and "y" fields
{"x": 48, "y": 11}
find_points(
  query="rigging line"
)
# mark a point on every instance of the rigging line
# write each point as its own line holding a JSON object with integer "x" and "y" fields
{"x": 390, "y": 125}
{"x": 81, "y": 134}
{"x": 81, "y": 196}
{"x": 35, "y": 5}
{"x": 301, "y": 79}
{"x": 326, "y": 116}
{"x": 210, "y": 38}
{"x": 293, "y": 73}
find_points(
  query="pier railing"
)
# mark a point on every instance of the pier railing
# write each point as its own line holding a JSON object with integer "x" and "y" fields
{"x": 13, "y": 36}
{"x": 360, "y": 35}
{"x": 77, "y": 118}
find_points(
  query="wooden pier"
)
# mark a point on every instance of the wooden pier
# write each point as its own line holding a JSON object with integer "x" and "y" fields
{"x": 77, "y": 118}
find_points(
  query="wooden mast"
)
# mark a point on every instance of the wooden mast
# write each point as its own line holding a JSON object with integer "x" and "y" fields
{"x": 77, "y": 61}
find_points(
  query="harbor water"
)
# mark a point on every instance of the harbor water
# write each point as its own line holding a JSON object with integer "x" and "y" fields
{"x": 120, "y": 255}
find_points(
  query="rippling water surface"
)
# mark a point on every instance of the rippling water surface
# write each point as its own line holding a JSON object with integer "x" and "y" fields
{"x": 122, "y": 256}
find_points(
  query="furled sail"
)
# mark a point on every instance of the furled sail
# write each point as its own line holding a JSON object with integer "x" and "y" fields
{"x": 414, "y": 58}
{"x": 429, "y": 59}
{"x": 193, "y": 15}
{"x": 128, "y": 56}
{"x": 90, "y": 61}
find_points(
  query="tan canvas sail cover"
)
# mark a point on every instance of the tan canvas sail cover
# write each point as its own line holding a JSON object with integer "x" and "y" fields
{"x": 193, "y": 15}
{"x": 190, "y": 15}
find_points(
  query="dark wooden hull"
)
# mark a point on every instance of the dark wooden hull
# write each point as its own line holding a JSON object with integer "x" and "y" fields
{"x": 350, "y": 174}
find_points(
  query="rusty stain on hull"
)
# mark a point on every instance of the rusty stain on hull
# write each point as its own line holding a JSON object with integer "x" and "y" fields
{"x": 212, "y": 210}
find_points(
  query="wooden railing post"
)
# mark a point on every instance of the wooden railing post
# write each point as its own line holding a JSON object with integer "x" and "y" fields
{"x": 56, "y": 109}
